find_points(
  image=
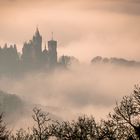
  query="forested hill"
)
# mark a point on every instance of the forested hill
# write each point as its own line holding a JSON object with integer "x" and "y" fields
{"x": 16, "y": 109}
{"x": 9, "y": 103}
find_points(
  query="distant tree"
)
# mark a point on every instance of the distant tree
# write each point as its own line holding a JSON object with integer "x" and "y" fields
{"x": 97, "y": 59}
{"x": 67, "y": 60}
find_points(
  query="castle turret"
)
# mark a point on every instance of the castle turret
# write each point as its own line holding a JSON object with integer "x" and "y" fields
{"x": 37, "y": 44}
{"x": 32, "y": 50}
{"x": 52, "y": 52}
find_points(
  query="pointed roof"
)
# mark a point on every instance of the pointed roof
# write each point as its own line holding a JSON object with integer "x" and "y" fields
{"x": 37, "y": 32}
{"x": 52, "y": 35}
{"x": 45, "y": 49}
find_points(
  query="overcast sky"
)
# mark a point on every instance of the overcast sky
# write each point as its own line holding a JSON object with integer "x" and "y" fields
{"x": 83, "y": 28}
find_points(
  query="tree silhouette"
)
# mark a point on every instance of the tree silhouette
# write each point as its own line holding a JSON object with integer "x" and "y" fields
{"x": 127, "y": 112}
{"x": 66, "y": 61}
{"x": 41, "y": 131}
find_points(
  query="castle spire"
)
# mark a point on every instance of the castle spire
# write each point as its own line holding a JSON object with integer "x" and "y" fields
{"x": 52, "y": 35}
{"x": 37, "y": 31}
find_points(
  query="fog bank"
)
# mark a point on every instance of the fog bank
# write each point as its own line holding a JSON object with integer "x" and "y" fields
{"x": 83, "y": 89}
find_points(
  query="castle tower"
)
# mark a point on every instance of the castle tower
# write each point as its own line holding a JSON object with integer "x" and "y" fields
{"x": 52, "y": 52}
{"x": 32, "y": 51}
{"x": 37, "y": 44}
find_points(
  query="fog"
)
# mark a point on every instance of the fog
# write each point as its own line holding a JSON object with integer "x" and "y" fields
{"x": 83, "y": 89}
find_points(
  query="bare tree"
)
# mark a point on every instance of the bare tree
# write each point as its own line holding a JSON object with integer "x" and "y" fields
{"x": 113, "y": 129}
{"x": 128, "y": 113}
{"x": 41, "y": 131}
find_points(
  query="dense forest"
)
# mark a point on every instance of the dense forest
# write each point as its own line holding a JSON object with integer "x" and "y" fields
{"x": 123, "y": 123}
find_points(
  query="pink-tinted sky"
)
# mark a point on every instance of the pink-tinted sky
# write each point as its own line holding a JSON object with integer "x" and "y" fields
{"x": 83, "y": 28}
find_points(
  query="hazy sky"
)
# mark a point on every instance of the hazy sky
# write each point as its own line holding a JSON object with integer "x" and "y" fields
{"x": 83, "y": 28}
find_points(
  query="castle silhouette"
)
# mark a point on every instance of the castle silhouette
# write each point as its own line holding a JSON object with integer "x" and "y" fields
{"x": 32, "y": 53}
{"x": 32, "y": 56}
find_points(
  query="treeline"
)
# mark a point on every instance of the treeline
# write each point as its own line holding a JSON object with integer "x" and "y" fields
{"x": 122, "y": 124}
{"x": 115, "y": 61}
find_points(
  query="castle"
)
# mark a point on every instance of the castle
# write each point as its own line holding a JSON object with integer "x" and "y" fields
{"x": 32, "y": 57}
{"x": 32, "y": 53}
